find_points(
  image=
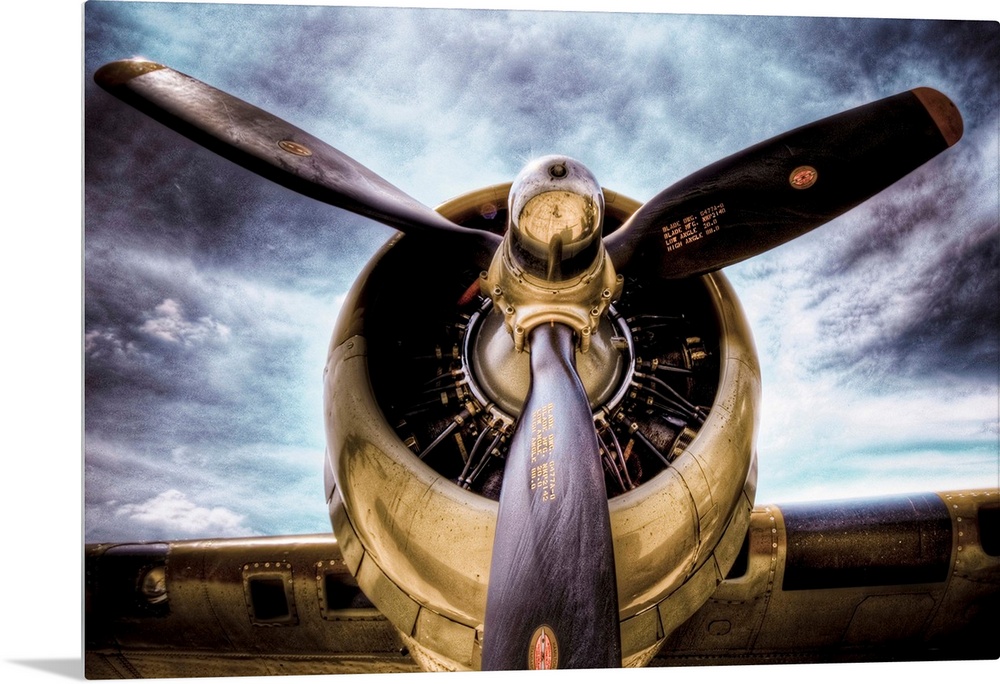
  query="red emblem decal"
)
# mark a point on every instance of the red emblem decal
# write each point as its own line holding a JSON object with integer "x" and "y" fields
{"x": 543, "y": 649}
{"x": 803, "y": 177}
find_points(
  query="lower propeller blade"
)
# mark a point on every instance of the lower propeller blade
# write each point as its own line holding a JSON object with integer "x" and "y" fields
{"x": 275, "y": 149}
{"x": 779, "y": 189}
{"x": 553, "y": 598}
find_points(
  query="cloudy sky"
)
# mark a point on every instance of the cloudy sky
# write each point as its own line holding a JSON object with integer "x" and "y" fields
{"x": 210, "y": 294}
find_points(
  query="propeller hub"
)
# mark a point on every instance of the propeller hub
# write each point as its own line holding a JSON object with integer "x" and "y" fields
{"x": 499, "y": 376}
{"x": 552, "y": 266}
{"x": 556, "y": 213}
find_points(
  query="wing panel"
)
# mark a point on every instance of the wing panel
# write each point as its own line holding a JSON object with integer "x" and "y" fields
{"x": 933, "y": 592}
{"x": 902, "y": 540}
{"x": 281, "y": 605}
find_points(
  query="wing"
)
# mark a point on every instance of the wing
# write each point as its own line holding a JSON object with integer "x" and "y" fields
{"x": 904, "y": 578}
{"x": 912, "y": 577}
{"x": 220, "y": 607}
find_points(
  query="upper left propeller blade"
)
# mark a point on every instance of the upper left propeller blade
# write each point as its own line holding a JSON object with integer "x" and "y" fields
{"x": 277, "y": 150}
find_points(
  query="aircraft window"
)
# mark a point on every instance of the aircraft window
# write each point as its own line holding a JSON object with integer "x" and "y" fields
{"x": 340, "y": 596}
{"x": 742, "y": 562}
{"x": 154, "y": 585}
{"x": 989, "y": 529}
{"x": 131, "y": 580}
{"x": 342, "y": 599}
{"x": 269, "y": 597}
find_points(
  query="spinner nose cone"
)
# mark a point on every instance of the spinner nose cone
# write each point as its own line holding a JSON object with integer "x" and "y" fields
{"x": 556, "y": 213}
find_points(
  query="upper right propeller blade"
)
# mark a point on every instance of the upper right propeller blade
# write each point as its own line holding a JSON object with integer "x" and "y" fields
{"x": 779, "y": 189}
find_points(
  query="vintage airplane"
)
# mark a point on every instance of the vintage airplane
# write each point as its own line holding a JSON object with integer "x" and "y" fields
{"x": 541, "y": 404}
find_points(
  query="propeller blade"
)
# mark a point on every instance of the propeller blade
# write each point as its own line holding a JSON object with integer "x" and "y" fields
{"x": 779, "y": 189}
{"x": 275, "y": 149}
{"x": 553, "y": 597}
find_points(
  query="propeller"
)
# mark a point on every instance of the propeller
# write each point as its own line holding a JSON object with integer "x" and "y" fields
{"x": 779, "y": 189}
{"x": 277, "y": 150}
{"x": 553, "y": 597}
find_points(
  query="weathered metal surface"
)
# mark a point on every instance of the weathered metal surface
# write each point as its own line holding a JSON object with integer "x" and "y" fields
{"x": 203, "y": 626}
{"x": 900, "y": 540}
{"x": 841, "y": 614}
{"x": 209, "y": 619}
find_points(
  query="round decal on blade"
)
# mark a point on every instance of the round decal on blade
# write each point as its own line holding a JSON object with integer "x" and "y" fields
{"x": 803, "y": 177}
{"x": 543, "y": 649}
{"x": 295, "y": 148}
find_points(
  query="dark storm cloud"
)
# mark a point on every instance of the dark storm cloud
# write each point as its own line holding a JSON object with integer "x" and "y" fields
{"x": 953, "y": 297}
{"x": 961, "y": 305}
{"x": 941, "y": 222}
{"x": 928, "y": 246}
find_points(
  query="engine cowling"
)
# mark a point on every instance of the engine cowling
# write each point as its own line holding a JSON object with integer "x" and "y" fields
{"x": 417, "y": 417}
